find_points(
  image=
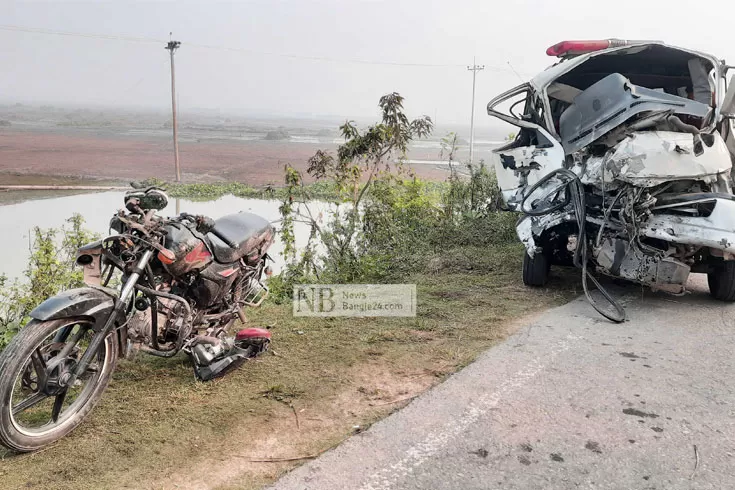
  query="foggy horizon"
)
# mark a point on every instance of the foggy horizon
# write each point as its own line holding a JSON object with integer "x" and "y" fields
{"x": 257, "y": 58}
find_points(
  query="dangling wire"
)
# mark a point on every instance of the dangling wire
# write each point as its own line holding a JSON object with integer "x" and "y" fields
{"x": 574, "y": 194}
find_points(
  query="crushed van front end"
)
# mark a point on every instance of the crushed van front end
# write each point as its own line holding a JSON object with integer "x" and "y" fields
{"x": 622, "y": 165}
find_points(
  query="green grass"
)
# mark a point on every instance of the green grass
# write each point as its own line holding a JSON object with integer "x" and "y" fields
{"x": 207, "y": 192}
{"x": 315, "y": 190}
{"x": 156, "y": 422}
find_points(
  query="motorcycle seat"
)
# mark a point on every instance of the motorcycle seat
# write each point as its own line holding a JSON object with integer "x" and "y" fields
{"x": 251, "y": 233}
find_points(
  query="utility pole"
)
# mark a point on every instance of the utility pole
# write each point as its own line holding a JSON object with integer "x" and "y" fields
{"x": 172, "y": 46}
{"x": 474, "y": 69}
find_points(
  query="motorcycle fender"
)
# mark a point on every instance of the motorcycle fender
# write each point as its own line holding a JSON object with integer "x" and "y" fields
{"x": 88, "y": 302}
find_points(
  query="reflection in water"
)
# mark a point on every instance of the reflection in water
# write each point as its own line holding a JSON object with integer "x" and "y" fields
{"x": 18, "y": 220}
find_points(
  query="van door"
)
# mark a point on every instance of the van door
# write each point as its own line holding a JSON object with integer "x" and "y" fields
{"x": 532, "y": 154}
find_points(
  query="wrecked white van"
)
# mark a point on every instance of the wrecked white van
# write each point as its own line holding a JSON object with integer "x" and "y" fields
{"x": 622, "y": 165}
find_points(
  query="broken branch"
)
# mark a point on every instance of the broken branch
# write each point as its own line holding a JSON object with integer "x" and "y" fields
{"x": 298, "y": 425}
{"x": 696, "y": 462}
{"x": 395, "y": 401}
{"x": 282, "y": 460}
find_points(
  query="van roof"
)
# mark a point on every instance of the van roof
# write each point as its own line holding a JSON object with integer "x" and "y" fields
{"x": 550, "y": 74}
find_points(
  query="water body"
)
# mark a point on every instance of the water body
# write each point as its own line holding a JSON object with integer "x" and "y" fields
{"x": 18, "y": 220}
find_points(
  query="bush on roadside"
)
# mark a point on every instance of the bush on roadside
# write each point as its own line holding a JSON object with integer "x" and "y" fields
{"x": 50, "y": 270}
{"x": 386, "y": 222}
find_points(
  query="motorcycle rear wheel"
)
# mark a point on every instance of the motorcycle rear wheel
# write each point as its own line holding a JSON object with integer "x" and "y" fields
{"x": 31, "y": 418}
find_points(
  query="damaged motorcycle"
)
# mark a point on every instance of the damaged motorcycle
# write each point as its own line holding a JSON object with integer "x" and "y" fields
{"x": 622, "y": 166}
{"x": 183, "y": 282}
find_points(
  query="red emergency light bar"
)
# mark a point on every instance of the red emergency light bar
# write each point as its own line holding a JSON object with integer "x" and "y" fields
{"x": 574, "y": 48}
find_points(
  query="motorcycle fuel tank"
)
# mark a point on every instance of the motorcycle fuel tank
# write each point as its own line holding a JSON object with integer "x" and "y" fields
{"x": 189, "y": 252}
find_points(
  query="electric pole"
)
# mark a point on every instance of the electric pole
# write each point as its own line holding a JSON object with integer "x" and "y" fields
{"x": 474, "y": 69}
{"x": 172, "y": 46}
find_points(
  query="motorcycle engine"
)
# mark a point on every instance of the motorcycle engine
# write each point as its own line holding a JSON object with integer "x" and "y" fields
{"x": 170, "y": 315}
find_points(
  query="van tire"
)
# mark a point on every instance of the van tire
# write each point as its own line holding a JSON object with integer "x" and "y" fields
{"x": 721, "y": 281}
{"x": 535, "y": 269}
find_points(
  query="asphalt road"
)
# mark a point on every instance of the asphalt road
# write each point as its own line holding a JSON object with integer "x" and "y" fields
{"x": 570, "y": 401}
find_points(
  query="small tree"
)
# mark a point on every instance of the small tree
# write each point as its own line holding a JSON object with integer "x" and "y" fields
{"x": 365, "y": 157}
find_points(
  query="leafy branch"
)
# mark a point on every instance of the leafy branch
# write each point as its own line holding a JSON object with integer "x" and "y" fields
{"x": 364, "y": 157}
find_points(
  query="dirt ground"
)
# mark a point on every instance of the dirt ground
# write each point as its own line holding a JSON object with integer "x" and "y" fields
{"x": 324, "y": 380}
{"x": 158, "y": 428}
{"x": 137, "y": 158}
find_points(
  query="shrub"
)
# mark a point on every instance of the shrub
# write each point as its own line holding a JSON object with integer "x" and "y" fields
{"x": 386, "y": 223}
{"x": 50, "y": 270}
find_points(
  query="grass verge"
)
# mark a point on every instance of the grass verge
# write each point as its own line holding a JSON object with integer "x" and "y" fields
{"x": 158, "y": 428}
{"x": 210, "y": 191}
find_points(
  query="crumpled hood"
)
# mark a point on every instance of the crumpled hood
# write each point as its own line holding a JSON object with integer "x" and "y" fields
{"x": 651, "y": 158}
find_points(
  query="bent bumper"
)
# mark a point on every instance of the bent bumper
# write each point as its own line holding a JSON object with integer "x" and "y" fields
{"x": 715, "y": 231}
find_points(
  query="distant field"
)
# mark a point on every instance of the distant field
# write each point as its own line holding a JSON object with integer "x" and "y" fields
{"x": 113, "y": 157}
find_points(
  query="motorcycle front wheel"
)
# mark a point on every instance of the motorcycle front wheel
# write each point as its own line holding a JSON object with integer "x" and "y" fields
{"x": 36, "y": 409}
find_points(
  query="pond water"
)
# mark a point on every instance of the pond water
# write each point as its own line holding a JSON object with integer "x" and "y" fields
{"x": 18, "y": 220}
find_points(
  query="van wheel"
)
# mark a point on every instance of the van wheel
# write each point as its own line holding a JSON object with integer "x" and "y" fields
{"x": 535, "y": 269}
{"x": 721, "y": 281}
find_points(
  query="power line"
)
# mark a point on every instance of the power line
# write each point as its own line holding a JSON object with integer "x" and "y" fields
{"x": 517, "y": 74}
{"x": 35, "y": 30}
{"x": 326, "y": 58}
{"x": 323, "y": 58}
{"x": 38, "y": 30}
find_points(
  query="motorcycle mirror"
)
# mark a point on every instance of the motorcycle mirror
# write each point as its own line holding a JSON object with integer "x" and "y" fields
{"x": 151, "y": 198}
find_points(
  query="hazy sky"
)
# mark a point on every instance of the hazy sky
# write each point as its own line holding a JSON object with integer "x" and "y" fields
{"x": 38, "y": 67}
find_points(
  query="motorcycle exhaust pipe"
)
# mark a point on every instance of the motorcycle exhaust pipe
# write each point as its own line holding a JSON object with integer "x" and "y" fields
{"x": 241, "y": 316}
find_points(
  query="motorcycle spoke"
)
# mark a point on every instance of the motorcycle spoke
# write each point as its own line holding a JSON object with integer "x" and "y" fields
{"x": 42, "y": 398}
{"x": 39, "y": 365}
{"x": 58, "y": 403}
{"x": 29, "y": 402}
{"x": 71, "y": 343}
